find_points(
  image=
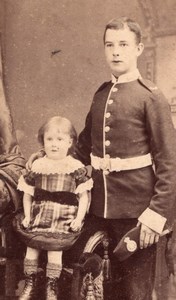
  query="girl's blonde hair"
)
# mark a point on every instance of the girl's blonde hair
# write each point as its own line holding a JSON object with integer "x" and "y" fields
{"x": 63, "y": 125}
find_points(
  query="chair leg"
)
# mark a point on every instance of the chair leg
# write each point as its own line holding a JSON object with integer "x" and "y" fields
{"x": 10, "y": 278}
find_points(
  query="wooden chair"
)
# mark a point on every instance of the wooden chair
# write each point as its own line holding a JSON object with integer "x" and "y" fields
{"x": 92, "y": 274}
{"x": 11, "y": 257}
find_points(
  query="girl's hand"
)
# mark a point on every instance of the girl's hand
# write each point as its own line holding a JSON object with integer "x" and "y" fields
{"x": 26, "y": 222}
{"x": 76, "y": 224}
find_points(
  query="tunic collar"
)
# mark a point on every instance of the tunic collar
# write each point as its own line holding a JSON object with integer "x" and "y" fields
{"x": 131, "y": 76}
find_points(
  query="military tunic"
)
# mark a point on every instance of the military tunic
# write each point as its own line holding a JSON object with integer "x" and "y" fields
{"x": 130, "y": 117}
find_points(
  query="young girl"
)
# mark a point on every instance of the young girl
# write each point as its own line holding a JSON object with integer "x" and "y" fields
{"x": 55, "y": 203}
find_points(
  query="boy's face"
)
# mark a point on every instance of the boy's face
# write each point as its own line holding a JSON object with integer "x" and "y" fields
{"x": 122, "y": 50}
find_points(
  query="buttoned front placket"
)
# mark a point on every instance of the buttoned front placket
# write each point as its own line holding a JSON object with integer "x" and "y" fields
{"x": 131, "y": 76}
{"x": 106, "y": 141}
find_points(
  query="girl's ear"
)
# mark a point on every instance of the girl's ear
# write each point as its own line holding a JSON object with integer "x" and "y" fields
{"x": 140, "y": 48}
{"x": 70, "y": 147}
{"x": 71, "y": 142}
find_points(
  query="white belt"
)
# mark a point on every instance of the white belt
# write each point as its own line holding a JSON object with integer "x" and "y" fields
{"x": 120, "y": 164}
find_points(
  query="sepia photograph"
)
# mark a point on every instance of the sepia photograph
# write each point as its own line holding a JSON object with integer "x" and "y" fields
{"x": 87, "y": 149}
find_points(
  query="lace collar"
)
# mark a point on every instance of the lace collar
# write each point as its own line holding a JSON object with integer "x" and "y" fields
{"x": 45, "y": 165}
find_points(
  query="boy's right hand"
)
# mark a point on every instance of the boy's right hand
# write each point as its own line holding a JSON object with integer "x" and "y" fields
{"x": 26, "y": 222}
{"x": 33, "y": 157}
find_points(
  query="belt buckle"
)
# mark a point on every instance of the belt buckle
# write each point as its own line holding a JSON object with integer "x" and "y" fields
{"x": 105, "y": 164}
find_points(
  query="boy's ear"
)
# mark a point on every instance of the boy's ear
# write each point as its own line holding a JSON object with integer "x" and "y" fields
{"x": 140, "y": 48}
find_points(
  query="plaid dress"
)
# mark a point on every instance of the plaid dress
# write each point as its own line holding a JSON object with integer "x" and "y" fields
{"x": 55, "y": 187}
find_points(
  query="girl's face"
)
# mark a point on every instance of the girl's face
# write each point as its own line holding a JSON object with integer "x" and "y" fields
{"x": 56, "y": 143}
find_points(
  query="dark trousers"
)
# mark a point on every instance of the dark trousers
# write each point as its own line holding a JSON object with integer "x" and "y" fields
{"x": 133, "y": 279}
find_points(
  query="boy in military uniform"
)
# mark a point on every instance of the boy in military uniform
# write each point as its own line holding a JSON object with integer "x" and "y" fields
{"x": 128, "y": 128}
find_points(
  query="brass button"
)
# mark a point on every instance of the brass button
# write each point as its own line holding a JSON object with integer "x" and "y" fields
{"x": 107, "y": 115}
{"x": 115, "y": 89}
{"x": 110, "y": 101}
{"x": 105, "y": 172}
{"x": 107, "y": 143}
{"x": 107, "y": 128}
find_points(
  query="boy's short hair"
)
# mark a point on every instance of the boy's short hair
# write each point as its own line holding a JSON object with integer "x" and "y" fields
{"x": 121, "y": 23}
{"x": 63, "y": 125}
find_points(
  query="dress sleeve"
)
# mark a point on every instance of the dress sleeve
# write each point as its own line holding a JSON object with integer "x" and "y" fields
{"x": 26, "y": 183}
{"x": 83, "y": 181}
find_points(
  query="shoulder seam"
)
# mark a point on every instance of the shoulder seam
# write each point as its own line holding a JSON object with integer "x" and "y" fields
{"x": 149, "y": 85}
{"x": 102, "y": 86}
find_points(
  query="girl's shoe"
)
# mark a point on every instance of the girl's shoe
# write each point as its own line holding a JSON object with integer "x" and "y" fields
{"x": 51, "y": 288}
{"x": 30, "y": 288}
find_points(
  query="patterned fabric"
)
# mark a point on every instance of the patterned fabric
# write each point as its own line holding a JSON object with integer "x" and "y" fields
{"x": 4, "y": 197}
{"x": 49, "y": 216}
{"x": 56, "y": 182}
{"x": 48, "y": 241}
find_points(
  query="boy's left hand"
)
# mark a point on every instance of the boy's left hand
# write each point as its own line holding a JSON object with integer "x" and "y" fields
{"x": 76, "y": 224}
{"x": 148, "y": 237}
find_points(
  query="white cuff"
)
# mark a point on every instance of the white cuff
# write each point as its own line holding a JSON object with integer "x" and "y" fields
{"x": 24, "y": 187}
{"x": 153, "y": 220}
